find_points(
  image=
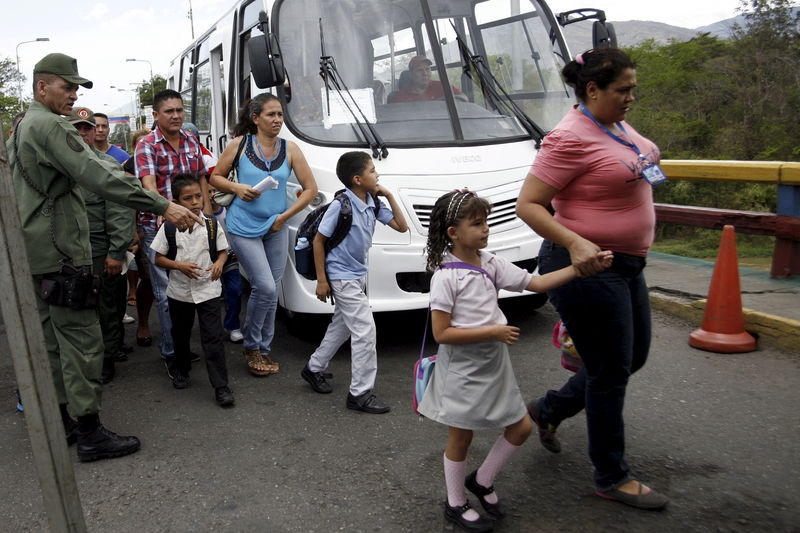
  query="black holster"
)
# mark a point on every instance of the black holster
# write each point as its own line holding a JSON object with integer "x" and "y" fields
{"x": 73, "y": 287}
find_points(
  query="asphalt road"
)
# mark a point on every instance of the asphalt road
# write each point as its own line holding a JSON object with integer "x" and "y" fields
{"x": 717, "y": 433}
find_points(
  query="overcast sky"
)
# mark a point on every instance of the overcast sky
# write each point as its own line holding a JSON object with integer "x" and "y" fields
{"x": 101, "y": 35}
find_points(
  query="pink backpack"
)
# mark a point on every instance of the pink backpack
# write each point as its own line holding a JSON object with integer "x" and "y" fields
{"x": 569, "y": 354}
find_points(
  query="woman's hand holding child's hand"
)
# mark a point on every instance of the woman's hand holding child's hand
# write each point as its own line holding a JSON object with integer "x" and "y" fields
{"x": 605, "y": 258}
{"x": 594, "y": 264}
{"x": 583, "y": 254}
{"x": 506, "y": 334}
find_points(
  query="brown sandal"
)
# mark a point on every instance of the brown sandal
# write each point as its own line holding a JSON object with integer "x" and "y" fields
{"x": 256, "y": 364}
{"x": 273, "y": 366}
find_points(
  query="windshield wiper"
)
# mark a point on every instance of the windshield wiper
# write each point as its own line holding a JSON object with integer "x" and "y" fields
{"x": 333, "y": 80}
{"x": 493, "y": 90}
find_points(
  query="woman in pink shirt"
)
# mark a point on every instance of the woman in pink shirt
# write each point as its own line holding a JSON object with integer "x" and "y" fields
{"x": 598, "y": 173}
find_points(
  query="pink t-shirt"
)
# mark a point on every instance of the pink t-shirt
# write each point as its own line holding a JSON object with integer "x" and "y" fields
{"x": 601, "y": 193}
{"x": 471, "y": 298}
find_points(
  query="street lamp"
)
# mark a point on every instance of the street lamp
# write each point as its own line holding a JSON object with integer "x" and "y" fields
{"x": 137, "y": 104}
{"x": 19, "y": 72}
{"x": 152, "y": 84}
{"x": 133, "y": 101}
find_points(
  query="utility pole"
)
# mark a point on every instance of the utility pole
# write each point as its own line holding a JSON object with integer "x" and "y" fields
{"x": 191, "y": 18}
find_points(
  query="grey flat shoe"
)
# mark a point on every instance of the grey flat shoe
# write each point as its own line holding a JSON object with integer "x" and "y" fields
{"x": 652, "y": 501}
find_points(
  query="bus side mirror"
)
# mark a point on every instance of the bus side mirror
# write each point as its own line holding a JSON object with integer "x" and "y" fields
{"x": 603, "y": 35}
{"x": 266, "y": 61}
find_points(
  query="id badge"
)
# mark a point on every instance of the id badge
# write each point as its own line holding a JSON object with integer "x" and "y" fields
{"x": 653, "y": 174}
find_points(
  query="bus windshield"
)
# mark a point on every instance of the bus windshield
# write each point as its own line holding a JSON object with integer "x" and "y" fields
{"x": 392, "y": 55}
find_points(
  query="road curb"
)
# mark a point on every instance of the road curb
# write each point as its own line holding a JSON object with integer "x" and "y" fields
{"x": 773, "y": 330}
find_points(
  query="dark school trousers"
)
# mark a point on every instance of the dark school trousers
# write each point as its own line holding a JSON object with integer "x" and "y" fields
{"x": 608, "y": 317}
{"x": 209, "y": 317}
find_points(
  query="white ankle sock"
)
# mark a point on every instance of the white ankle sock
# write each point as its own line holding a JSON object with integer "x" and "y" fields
{"x": 454, "y": 474}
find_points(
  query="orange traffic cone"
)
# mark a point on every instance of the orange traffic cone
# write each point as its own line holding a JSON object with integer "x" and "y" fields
{"x": 723, "y": 322}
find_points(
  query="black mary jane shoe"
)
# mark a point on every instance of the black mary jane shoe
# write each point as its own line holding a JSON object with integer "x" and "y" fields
{"x": 144, "y": 341}
{"x": 472, "y": 485}
{"x": 456, "y": 516}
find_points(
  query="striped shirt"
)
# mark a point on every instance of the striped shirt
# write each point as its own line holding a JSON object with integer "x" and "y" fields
{"x": 154, "y": 156}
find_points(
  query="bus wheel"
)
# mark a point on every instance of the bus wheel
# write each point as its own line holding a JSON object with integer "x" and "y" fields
{"x": 305, "y": 325}
{"x": 535, "y": 301}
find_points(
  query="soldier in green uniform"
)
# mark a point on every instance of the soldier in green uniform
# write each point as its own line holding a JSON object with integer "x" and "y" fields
{"x": 51, "y": 165}
{"x": 110, "y": 234}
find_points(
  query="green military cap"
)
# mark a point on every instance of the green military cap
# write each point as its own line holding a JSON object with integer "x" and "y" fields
{"x": 81, "y": 115}
{"x": 63, "y": 66}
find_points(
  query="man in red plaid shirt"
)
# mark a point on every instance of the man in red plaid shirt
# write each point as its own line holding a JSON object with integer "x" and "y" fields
{"x": 163, "y": 153}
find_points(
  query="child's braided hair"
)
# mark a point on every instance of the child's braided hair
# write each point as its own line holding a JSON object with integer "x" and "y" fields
{"x": 448, "y": 211}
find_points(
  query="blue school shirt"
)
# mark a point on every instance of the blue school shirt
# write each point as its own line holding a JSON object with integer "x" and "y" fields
{"x": 349, "y": 259}
{"x": 254, "y": 219}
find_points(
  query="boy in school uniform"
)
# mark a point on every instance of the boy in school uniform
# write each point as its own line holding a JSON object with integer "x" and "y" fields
{"x": 341, "y": 275}
{"x": 194, "y": 286}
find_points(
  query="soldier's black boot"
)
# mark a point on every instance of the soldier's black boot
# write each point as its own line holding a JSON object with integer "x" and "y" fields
{"x": 96, "y": 442}
{"x": 70, "y": 426}
{"x": 109, "y": 370}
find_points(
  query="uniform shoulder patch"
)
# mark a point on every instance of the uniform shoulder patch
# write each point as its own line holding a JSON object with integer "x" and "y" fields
{"x": 73, "y": 143}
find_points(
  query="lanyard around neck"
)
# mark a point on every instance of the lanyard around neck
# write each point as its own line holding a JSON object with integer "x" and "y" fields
{"x": 623, "y": 142}
{"x": 260, "y": 151}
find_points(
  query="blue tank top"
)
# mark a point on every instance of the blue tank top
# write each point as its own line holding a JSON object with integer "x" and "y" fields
{"x": 254, "y": 219}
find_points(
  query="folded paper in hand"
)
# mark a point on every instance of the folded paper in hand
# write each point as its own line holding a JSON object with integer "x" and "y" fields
{"x": 267, "y": 183}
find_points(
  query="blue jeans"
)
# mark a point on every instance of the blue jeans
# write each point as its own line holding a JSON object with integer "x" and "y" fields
{"x": 232, "y": 289}
{"x": 159, "y": 281}
{"x": 608, "y": 317}
{"x": 264, "y": 260}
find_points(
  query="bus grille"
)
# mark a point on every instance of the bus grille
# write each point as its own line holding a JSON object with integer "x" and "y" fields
{"x": 502, "y": 212}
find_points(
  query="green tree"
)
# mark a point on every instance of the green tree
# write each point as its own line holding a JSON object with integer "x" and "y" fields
{"x": 146, "y": 92}
{"x": 735, "y": 98}
{"x": 120, "y": 135}
{"x": 725, "y": 99}
{"x": 9, "y": 99}
{"x": 761, "y": 120}
{"x": 675, "y": 106}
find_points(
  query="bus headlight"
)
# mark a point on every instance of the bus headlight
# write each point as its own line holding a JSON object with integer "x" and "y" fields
{"x": 318, "y": 200}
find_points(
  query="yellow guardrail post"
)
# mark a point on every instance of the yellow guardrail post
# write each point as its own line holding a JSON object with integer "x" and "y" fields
{"x": 785, "y": 175}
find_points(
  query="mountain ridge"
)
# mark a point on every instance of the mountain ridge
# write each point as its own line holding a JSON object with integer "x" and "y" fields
{"x": 633, "y": 32}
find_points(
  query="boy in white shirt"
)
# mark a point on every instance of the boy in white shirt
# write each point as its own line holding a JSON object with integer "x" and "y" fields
{"x": 195, "y": 257}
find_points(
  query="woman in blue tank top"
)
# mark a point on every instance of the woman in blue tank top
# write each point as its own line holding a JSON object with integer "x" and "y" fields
{"x": 256, "y": 219}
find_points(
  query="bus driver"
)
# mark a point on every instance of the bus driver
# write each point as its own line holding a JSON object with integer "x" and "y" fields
{"x": 419, "y": 86}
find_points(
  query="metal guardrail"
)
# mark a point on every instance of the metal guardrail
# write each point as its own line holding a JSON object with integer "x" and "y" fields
{"x": 777, "y": 172}
{"x": 784, "y": 225}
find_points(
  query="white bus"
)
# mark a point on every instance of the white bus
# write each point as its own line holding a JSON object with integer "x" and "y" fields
{"x": 502, "y": 59}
